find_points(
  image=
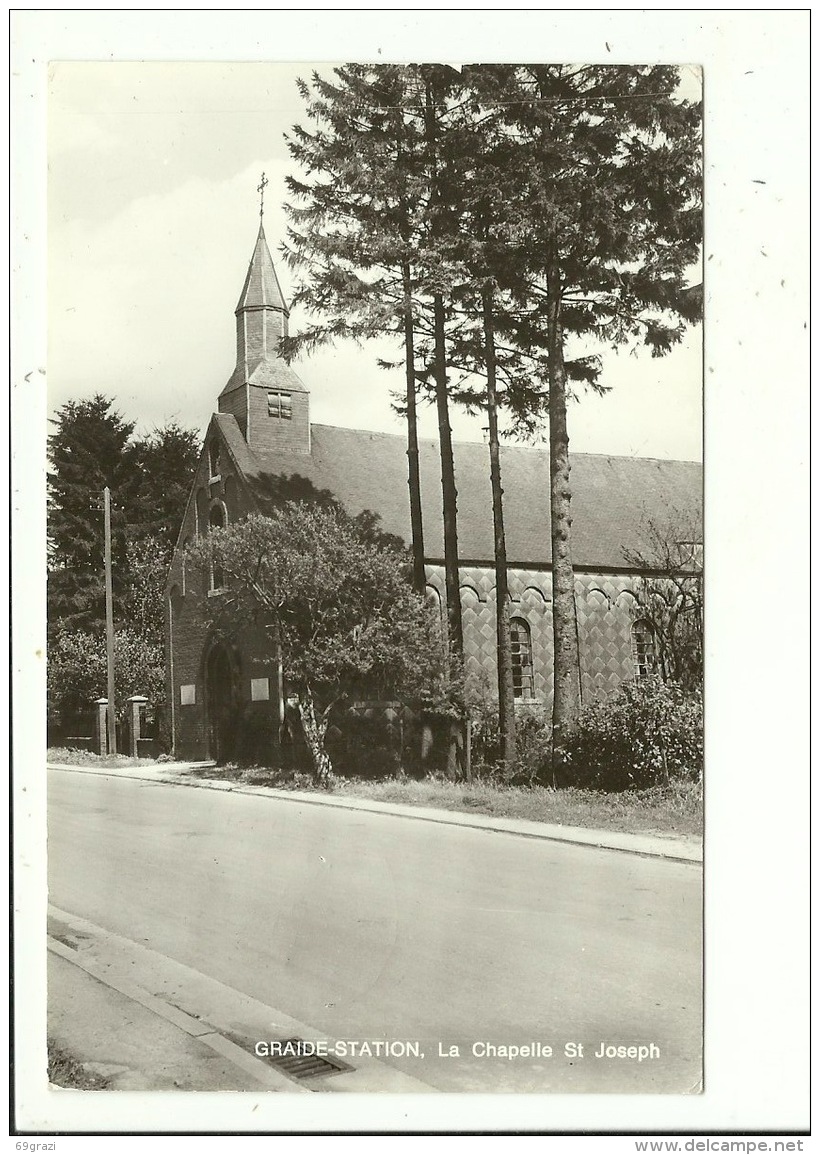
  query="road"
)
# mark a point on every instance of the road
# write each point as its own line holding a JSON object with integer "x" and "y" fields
{"x": 373, "y": 927}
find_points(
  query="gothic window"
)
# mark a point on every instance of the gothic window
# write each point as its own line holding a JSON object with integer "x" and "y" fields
{"x": 521, "y": 650}
{"x": 231, "y": 498}
{"x": 214, "y": 463}
{"x": 183, "y": 567}
{"x": 279, "y": 405}
{"x": 643, "y": 649}
{"x": 202, "y": 505}
{"x": 216, "y": 520}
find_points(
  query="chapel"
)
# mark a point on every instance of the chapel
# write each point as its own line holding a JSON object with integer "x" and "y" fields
{"x": 226, "y": 697}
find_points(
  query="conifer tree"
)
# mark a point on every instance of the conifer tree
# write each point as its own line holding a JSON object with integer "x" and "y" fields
{"x": 531, "y": 216}
{"x": 93, "y": 446}
{"x": 354, "y": 232}
{"x": 86, "y": 451}
{"x": 163, "y": 461}
{"x": 484, "y": 246}
{"x": 610, "y": 166}
{"x": 367, "y": 231}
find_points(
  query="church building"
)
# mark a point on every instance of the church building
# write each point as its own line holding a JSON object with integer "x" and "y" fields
{"x": 225, "y": 696}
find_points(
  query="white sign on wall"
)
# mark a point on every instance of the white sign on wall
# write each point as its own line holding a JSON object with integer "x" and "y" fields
{"x": 187, "y": 695}
{"x": 260, "y": 690}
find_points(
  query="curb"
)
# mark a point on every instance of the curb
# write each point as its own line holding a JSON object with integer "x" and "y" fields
{"x": 217, "y": 1015}
{"x": 269, "y": 1079}
{"x": 645, "y": 846}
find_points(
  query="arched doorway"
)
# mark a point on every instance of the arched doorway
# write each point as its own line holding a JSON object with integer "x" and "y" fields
{"x": 220, "y": 681}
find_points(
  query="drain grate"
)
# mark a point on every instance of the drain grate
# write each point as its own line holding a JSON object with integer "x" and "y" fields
{"x": 71, "y": 943}
{"x": 292, "y": 1062}
{"x": 63, "y": 933}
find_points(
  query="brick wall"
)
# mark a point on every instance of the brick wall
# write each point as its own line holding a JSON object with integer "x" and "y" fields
{"x": 236, "y": 402}
{"x": 605, "y": 609}
{"x": 192, "y": 640}
{"x": 190, "y": 636}
{"x": 272, "y": 434}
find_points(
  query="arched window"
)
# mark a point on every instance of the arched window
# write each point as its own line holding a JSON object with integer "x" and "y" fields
{"x": 214, "y": 463}
{"x": 521, "y": 651}
{"x": 230, "y": 499}
{"x": 183, "y": 567}
{"x": 202, "y": 503}
{"x": 643, "y": 649}
{"x": 216, "y": 520}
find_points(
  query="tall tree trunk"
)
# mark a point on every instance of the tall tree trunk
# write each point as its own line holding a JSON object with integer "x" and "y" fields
{"x": 278, "y": 662}
{"x": 413, "y": 476}
{"x": 566, "y": 665}
{"x": 314, "y": 730}
{"x": 449, "y": 492}
{"x": 506, "y": 692}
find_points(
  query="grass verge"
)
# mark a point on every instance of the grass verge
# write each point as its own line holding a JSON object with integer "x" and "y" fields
{"x": 675, "y": 810}
{"x": 70, "y": 757}
{"x": 65, "y": 1071}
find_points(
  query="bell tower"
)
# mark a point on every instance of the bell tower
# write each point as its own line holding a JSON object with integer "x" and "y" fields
{"x": 270, "y": 403}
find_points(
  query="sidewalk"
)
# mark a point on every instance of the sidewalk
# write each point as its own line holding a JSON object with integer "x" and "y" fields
{"x": 143, "y": 1021}
{"x": 652, "y": 845}
{"x": 137, "y": 1049}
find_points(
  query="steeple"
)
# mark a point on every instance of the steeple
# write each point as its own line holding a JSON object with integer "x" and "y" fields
{"x": 261, "y": 314}
{"x": 269, "y": 401}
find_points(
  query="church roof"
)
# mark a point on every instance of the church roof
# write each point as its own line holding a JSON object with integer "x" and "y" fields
{"x": 613, "y": 498}
{"x": 267, "y": 372}
{"x": 261, "y": 284}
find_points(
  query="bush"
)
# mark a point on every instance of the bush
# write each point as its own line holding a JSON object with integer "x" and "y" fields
{"x": 533, "y": 746}
{"x": 648, "y": 733}
{"x": 362, "y": 746}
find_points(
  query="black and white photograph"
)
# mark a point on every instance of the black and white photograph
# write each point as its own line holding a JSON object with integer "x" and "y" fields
{"x": 377, "y": 577}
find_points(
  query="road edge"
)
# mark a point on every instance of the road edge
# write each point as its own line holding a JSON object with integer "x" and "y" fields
{"x": 266, "y": 1076}
{"x": 645, "y": 846}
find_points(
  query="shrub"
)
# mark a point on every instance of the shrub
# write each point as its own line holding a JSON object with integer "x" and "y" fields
{"x": 533, "y": 746}
{"x": 648, "y": 733}
{"x": 362, "y": 746}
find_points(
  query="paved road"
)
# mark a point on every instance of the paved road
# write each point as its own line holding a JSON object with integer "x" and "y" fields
{"x": 375, "y": 927}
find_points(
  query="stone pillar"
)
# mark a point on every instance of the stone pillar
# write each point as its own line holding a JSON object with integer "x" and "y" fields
{"x": 138, "y": 704}
{"x": 101, "y": 726}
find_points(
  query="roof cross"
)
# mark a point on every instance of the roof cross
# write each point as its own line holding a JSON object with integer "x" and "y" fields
{"x": 260, "y": 188}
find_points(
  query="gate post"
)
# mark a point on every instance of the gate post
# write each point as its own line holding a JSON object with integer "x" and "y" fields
{"x": 101, "y": 726}
{"x": 138, "y": 704}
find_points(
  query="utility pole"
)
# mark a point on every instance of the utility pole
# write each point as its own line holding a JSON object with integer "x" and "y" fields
{"x": 111, "y": 714}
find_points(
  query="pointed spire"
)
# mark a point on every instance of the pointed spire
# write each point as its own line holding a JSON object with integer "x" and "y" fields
{"x": 269, "y": 402}
{"x": 262, "y": 289}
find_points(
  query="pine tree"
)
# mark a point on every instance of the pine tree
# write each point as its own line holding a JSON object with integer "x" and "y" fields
{"x": 354, "y": 229}
{"x": 366, "y": 233}
{"x": 149, "y": 478}
{"x": 483, "y": 221}
{"x": 610, "y": 166}
{"x": 86, "y": 452}
{"x": 527, "y": 217}
{"x": 164, "y": 462}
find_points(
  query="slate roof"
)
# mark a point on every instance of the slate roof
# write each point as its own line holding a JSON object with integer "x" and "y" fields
{"x": 613, "y": 497}
{"x": 261, "y": 284}
{"x": 268, "y": 373}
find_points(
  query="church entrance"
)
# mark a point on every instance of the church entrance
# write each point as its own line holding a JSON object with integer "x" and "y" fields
{"x": 220, "y": 679}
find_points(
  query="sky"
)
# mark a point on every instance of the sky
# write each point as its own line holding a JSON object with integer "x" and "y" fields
{"x": 152, "y": 219}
